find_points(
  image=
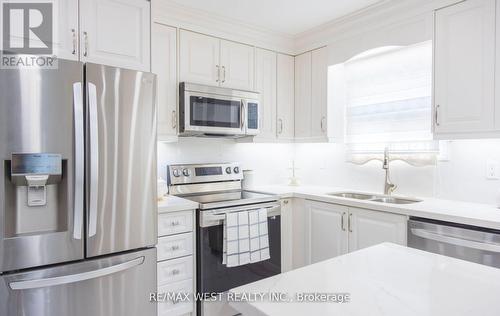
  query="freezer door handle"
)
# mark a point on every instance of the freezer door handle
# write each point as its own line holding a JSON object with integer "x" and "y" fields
{"x": 78, "y": 277}
{"x": 94, "y": 159}
{"x": 455, "y": 240}
{"x": 79, "y": 160}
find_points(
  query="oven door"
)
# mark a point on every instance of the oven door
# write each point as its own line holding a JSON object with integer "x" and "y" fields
{"x": 215, "y": 277}
{"x": 206, "y": 113}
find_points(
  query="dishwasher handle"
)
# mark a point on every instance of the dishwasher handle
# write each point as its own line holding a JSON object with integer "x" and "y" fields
{"x": 455, "y": 240}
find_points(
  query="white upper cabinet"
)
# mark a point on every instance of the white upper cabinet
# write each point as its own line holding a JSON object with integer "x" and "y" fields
{"x": 327, "y": 236}
{"x": 164, "y": 65}
{"x": 303, "y": 96}
{"x": 368, "y": 228}
{"x": 199, "y": 58}
{"x": 319, "y": 80}
{"x": 311, "y": 79}
{"x": 464, "y": 69}
{"x": 208, "y": 60}
{"x": 285, "y": 97}
{"x": 265, "y": 79}
{"x": 237, "y": 65}
{"x": 116, "y": 33}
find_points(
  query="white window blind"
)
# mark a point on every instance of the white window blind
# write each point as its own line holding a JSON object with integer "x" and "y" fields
{"x": 388, "y": 99}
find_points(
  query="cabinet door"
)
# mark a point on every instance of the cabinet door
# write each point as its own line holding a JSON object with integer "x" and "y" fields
{"x": 164, "y": 65}
{"x": 327, "y": 232}
{"x": 199, "y": 58}
{"x": 285, "y": 97}
{"x": 319, "y": 80}
{"x": 303, "y": 96}
{"x": 464, "y": 67}
{"x": 116, "y": 33}
{"x": 237, "y": 65}
{"x": 265, "y": 84}
{"x": 368, "y": 228}
{"x": 65, "y": 37}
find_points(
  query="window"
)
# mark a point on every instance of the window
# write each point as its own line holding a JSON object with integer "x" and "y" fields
{"x": 387, "y": 100}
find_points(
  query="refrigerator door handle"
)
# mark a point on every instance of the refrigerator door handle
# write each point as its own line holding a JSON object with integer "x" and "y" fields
{"x": 78, "y": 277}
{"x": 79, "y": 160}
{"x": 94, "y": 159}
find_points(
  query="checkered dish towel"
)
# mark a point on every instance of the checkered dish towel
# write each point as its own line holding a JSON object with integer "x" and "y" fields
{"x": 246, "y": 238}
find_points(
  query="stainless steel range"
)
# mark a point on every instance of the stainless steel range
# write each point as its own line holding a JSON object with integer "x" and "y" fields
{"x": 217, "y": 188}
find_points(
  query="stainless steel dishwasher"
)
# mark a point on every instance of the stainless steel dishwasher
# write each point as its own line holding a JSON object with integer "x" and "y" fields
{"x": 471, "y": 243}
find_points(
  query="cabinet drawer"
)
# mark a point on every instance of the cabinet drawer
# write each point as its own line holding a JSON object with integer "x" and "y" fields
{"x": 175, "y": 223}
{"x": 175, "y": 246}
{"x": 176, "y": 308}
{"x": 175, "y": 270}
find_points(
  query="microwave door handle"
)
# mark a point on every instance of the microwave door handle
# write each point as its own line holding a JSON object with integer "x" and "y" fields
{"x": 77, "y": 277}
{"x": 78, "y": 161}
{"x": 422, "y": 233}
{"x": 94, "y": 159}
{"x": 243, "y": 116}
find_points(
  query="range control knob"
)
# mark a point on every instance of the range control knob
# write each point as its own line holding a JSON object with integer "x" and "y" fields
{"x": 236, "y": 170}
{"x": 228, "y": 170}
{"x": 176, "y": 173}
{"x": 186, "y": 172}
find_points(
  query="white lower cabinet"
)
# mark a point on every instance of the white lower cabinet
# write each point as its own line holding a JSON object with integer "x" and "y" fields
{"x": 369, "y": 228}
{"x": 327, "y": 234}
{"x": 323, "y": 230}
{"x": 176, "y": 268}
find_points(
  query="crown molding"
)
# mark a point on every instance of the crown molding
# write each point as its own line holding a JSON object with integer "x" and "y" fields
{"x": 173, "y": 14}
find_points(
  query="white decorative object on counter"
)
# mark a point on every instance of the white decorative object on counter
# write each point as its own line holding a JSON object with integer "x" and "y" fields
{"x": 248, "y": 179}
{"x": 162, "y": 188}
{"x": 294, "y": 181}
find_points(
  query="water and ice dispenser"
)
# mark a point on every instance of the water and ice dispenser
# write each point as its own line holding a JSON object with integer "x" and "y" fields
{"x": 35, "y": 193}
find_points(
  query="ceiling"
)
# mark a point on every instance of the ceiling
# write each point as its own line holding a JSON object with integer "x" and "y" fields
{"x": 284, "y": 16}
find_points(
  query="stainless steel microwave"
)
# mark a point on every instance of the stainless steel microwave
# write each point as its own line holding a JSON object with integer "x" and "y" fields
{"x": 214, "y": 111}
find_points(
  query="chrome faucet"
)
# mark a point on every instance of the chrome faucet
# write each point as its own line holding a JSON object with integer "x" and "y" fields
{"x": 389, "y": 187}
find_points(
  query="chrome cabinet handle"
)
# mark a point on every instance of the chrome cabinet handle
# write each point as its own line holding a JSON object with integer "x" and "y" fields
{"x": 174, "y": 119}
{"x": 86, "y": 44}
{"x": 323, "y": 119}
{"x": 350, "y": 222}
{"x": 285, "y": 202}
{"x": 73, "y": 35}
{"x": 174, "y": 248}
{"x": 218, "y": 73}
{"x": 176, "y": 271}
{"x": 342, "y": 221}
{"x": 223, "y": 74}
{"x": 176, "y": 223}
{"x": 79, "y": 160}
{"x": 436, "y": 113}
{"x": 74, "y": 278}
{"x": 280, "y": 130}
{"x": 94, "y": 159}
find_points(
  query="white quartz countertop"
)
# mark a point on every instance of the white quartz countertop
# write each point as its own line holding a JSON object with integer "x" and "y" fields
{"x": 476, "y": 214}
{"x": 171, "y": 203}
{"x": 386, "y": 279}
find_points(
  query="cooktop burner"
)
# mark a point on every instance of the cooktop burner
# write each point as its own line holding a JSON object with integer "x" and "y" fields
{"x": 230, "y": 198}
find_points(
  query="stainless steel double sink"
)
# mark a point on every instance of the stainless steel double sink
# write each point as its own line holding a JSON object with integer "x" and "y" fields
{"x": 375, "y": 198}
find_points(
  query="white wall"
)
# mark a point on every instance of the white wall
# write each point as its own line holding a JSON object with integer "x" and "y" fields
{"x": 270, "y": 161}
{"x": 463, "y": 177}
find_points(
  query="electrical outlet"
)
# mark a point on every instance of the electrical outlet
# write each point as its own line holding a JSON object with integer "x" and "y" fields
{"x": 492, "y": 169}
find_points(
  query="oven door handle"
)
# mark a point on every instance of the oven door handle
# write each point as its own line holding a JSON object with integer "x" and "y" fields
{"x": 243, "y": 116}
{"x": 217, "y": 217}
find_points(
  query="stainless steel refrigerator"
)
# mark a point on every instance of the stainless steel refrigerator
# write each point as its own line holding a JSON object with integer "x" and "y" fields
{"x": 77, "y": 191}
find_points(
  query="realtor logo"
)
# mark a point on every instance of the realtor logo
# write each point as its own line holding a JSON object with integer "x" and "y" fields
{"x": 27, "y": 28}
{"x": 27, "y": 35}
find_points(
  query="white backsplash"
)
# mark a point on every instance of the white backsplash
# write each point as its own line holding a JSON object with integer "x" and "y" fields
{"x": 463, "y": 177}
